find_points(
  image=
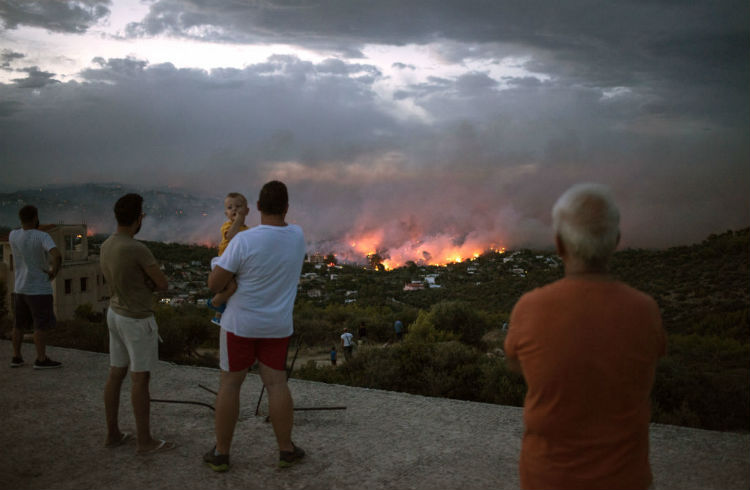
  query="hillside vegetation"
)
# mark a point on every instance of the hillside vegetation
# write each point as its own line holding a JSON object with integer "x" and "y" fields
{"x": 453, "y": 345}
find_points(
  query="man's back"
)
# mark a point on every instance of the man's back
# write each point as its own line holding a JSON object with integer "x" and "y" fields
{"x": 29, "y": 248}
{"x": 123, "y": 261}
{"x": 588, "y": 349}
{"x": 267, "y": 261}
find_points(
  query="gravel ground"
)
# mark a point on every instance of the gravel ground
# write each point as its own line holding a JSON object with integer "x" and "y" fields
{"x": 53, "y": 433}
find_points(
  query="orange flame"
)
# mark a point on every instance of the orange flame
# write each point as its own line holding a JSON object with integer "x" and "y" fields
{"x": 434, "y": 250}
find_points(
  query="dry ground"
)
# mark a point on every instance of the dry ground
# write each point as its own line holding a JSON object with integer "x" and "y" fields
{"x": 53, "y": 431}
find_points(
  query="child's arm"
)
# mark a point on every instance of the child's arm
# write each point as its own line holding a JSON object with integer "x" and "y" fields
{"x": 237, "y": 224}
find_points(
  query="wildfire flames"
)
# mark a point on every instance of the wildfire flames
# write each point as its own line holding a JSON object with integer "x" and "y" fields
{"x": 435, "y": 250}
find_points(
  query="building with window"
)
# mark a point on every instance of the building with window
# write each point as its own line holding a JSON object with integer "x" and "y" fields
{"x": 80, "y": 280}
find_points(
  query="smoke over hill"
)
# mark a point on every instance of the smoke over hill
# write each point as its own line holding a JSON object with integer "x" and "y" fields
{"x": 398, "y": 230}
{"x": 171, "y": 216}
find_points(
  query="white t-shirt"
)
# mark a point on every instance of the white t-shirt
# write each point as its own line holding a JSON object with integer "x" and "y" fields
{"x": 347, "y": 338}
{"x": 267, "y": 262}
{"x": 30, "y": 250}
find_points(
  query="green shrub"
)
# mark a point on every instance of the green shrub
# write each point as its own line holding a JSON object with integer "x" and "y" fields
{"x": 80, "y": 334}
{"x": 441, "y": 369}
{"x": 703, "y": 382}
{"x": 460, "y": 318}
{"x": 183, "y": 330}
{"x": 424, "y": 331}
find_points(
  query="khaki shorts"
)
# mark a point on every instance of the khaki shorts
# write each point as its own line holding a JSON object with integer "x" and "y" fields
{"x": 133, "y": 342}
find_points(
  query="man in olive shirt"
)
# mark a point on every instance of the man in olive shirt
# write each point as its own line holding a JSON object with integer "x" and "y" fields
{"x": 132, "y": 274}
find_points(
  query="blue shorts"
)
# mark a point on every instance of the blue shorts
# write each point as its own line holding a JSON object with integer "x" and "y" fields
{"x": 37, "y": 310}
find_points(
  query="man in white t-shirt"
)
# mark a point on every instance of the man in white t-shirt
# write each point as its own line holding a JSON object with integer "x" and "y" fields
{"x": 36, "y": 262}
{"x": 347, "y": 342}
{"x": 266, "y": 262}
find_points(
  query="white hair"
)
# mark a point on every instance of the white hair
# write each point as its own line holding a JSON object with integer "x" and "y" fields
{"x": 587, "y": 221}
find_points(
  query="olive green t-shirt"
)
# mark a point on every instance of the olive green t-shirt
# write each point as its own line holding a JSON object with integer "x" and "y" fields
{"x": 124, "y": 261}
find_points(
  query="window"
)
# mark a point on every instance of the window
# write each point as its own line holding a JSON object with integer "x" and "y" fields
{"x": 84, "y": 283}
{"x": 68, "y": 286}
{"x": 73, "y": 243}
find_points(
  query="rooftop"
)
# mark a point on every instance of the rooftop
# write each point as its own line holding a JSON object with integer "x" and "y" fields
{"x": 53, "y": 435}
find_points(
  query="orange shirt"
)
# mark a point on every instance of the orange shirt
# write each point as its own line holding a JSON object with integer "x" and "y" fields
{"x": 588, "y": 350}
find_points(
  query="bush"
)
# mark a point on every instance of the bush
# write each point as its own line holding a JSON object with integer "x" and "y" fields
{"x": 80, "y": 334}
{"x": 424, "y": 331}
{"x": 183, "y": 330}
{"x": 442, "y": 369}
{"x": 460, "y": 318}
{"x": 704, "y": 382}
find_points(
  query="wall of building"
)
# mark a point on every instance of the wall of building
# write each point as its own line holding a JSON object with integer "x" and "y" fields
{"x": 80, "y": 280}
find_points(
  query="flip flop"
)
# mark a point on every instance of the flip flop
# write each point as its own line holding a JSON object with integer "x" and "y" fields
{"x": 163, "y": 446}
{"x": 125, "y": 437}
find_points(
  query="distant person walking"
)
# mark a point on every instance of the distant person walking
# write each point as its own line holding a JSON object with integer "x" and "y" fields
{"x": 347, "y": 342}
{"x": 132, "y": 275}
{"x": 236, "y": 210}
{"x": 362, "y": 332}
{"x": 36, "y": 262}
{"x": 333, "y": 355}
{"x": 266, "y": 262}
{"x": 398, "y": 327}
{"x": 587, "y": 346}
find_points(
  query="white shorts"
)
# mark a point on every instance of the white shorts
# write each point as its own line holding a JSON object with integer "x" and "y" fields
{"x": 133, "y": 342}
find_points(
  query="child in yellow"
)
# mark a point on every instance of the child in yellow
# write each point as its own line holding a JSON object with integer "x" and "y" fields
{"x": 236, "y": 210}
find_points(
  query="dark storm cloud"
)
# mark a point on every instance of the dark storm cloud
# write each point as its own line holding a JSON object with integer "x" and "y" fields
{"x": 647, "y": 97}
{"x": 35, "y": 78}
{"x": 9, "y": 107}
{"x": 689, "y": 50}
{"x": 489, "y": 162}
{"x": 127, "y": 117}
{"x": 7, "y": 57}
{"x": 74, "y": 16}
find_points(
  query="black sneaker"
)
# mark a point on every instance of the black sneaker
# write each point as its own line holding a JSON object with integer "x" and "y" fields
{"x": 47, "y": 363}
{"x": 216, "y": 462}
{"x": 16, "y": 362}
{"x": 289, "y": 458}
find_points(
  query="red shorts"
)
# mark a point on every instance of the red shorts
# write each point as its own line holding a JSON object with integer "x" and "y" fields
{"x": 237, "y": 353}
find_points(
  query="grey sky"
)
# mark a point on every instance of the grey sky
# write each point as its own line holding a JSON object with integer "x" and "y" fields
{"x": 461, "y": 119}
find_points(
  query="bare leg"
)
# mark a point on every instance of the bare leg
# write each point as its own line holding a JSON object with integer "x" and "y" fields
{"x": 227, "y": 408}
{"x": 40, "y": 342}
{"x": 112, "y": 402}
{"x": 280, "y": 405}
{"x": 141, "y": 399}
{"x": 17, "y": 337}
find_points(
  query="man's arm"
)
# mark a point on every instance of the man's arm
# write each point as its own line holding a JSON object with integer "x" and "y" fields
{"x": 158, "y": 277}
{"x": 218, "y": 279}
{"x": 55, "y": 262}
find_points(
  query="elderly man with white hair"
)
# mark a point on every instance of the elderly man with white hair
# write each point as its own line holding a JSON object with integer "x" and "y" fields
{"x": 587, "y": 346}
